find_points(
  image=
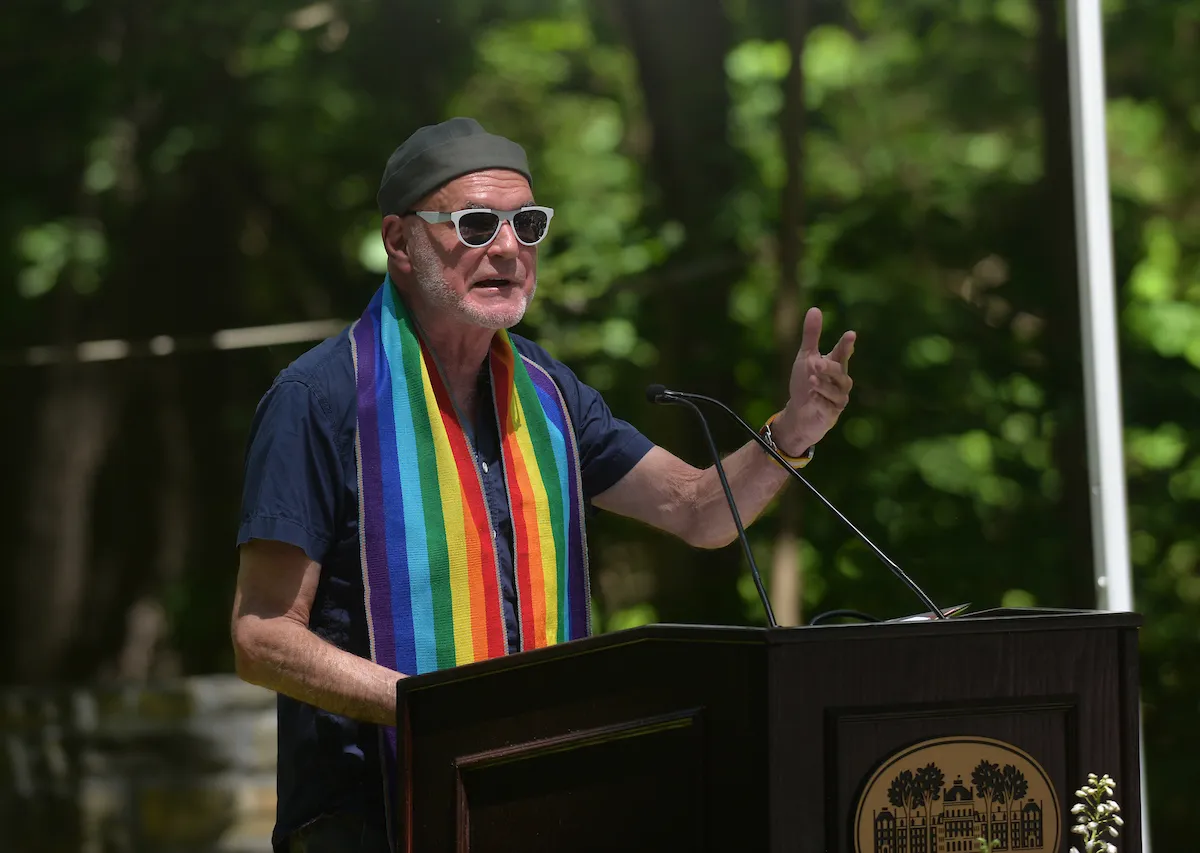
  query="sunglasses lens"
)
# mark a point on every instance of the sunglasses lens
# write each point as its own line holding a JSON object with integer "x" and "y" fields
{"x": 530, "y": 225}
{"x": 476, "y": 229}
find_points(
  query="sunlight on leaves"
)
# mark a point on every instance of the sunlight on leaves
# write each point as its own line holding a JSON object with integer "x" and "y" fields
{"x": 534, "y": 52}
{"x": 1158, "y": 449}
{"x": 832, "y": 62}
{"x": 847, "y": 568}
{"x": 110, "y": 155}
{"x": 1018, "y": 428}
{"x": 1138, "y": 162}
{"x": 831, "y": 171}
{"x": 756, "y": 72}
{"x": 814, "y": 581}
{"x": 1172, "y": 328}
{"x": 619, "y": 336}
{"x": 312, "y": 16}
{"x": 751, "y": 603}
{"x": 753, "y": 60}
{"x": 1018, "y": 598}
{"x": 632, "y": 617}
{"x": 45, "y": 250}
{"x": 929, "y": 351}
{"x": 1142, "y": 547}
{"x": 860, "y": 432}
{"x": 987, "y": 152}
{"x": 371, "y": 253}
{"x": 178, "y": 143}
{"x": 999, "y": 491}
{"x": 1185, "y": 485}
{"x": 51, "y": 248}
{"x": 867, "y": 12}
{"x": 1182, "y": 558}
{"x": 1018, "y": 14}
{"x": 1157, "y": 312}
{"x": 960, "y": 465}
{"x": 753, "y": 298}
{"x": 1025, "y": 392}
{"x": 276, "y": 54}
{"x": 975, "y": 448}
{"x": 1153, "y": 279}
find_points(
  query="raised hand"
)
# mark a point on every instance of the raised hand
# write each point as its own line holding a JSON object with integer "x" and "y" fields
{"x": 819, "y": 389}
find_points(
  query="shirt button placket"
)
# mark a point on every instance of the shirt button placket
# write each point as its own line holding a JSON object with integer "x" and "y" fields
{"x": 484, "y": 466}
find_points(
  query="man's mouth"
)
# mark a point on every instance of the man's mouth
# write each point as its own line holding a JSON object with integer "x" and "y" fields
{"x": 494, "y": 283}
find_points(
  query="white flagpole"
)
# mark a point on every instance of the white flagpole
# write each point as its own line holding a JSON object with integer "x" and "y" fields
{"x": 1102, "y": 377}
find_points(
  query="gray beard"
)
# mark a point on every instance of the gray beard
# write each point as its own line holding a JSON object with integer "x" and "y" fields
{"x": 427, "y": 270}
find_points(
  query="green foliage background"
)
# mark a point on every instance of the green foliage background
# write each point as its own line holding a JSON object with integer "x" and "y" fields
{"x": 179, "y": 168}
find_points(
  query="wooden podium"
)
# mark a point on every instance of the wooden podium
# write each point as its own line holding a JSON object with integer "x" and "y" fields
{"x": 884, "y": 738}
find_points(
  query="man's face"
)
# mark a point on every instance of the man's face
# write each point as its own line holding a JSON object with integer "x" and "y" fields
{"x": 489, "y": 286}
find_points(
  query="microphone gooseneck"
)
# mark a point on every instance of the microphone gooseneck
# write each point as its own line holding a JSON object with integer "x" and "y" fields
{"x": 665, "y": 395}
{"x": 659, "y": 394}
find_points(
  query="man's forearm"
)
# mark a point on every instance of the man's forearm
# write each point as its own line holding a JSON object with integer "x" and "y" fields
{"x": 754, "y": 478}
{"x": 285, "y": 656}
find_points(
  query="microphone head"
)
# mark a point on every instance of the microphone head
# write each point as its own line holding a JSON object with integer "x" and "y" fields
{"x": 655, "y": 392}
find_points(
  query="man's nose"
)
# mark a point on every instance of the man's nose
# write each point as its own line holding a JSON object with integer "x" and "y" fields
{"x": 506, "y": 244}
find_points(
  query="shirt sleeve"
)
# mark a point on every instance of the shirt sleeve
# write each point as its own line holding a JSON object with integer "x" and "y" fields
{"x": 292, "y": 472}
{"x": 608, "y": 446}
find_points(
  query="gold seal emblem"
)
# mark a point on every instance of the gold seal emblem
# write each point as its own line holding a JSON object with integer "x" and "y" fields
{"x": 939, "y": 796}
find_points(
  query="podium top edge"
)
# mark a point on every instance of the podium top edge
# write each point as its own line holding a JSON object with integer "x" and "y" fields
{"x": 998, "y": 621}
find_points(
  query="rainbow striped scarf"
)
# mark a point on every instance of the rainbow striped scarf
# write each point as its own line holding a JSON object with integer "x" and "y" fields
{"x": 428, "y": 551}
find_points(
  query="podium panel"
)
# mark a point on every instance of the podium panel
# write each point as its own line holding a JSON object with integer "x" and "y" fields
{"x": 638, "y": 740}
{"x": 643, "y": 778}
{"x": 887, "y": 738}
{"x": 1057, "y": 690}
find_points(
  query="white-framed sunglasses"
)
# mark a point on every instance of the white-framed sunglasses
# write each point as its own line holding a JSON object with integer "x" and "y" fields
{"x": 478, "y": 226}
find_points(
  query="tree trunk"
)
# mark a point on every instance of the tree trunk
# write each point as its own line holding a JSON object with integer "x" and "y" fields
{"x": 144, "y": 653}
{"x": 75, "y": 426}
{"x": 694, "y": 170}
{"x": 787, "y": 578}
{"x": 1064, "y": 379}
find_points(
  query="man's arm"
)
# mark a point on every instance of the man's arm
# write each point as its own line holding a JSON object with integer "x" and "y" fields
{"x": 274, "y": 648}
{"x": 665, "y": 492}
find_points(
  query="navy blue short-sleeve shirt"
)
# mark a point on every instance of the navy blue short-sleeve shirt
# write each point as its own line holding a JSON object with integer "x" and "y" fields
{"x": 301, "y": 488}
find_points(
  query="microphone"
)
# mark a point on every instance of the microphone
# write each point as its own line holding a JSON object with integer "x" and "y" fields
{"x": 661, "y": 394}
{"x": 657, "y": 393}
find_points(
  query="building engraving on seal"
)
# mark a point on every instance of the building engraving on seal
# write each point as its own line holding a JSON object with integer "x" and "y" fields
{"x": 941, "y": 796}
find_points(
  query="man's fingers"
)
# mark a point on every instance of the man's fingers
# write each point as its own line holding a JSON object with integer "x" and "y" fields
{"x": 831, "y": 371}
{"x": 811, "y": 341}
{"x": 844, "y": 349}
{"x": 839, "y": 380}
{"x": 831, "y": 394}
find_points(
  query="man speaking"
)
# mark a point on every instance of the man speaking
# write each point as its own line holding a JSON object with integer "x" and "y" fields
{"x": 415, "y": 487}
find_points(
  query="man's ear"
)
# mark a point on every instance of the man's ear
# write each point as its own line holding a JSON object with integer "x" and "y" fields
{"x": 395, "y": 242}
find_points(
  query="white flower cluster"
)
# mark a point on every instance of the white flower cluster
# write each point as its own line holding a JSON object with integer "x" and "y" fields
{"x": 1097, "y": 815}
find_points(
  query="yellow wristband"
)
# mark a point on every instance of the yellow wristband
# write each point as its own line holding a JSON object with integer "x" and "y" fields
{"x": 796, "y": 462}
